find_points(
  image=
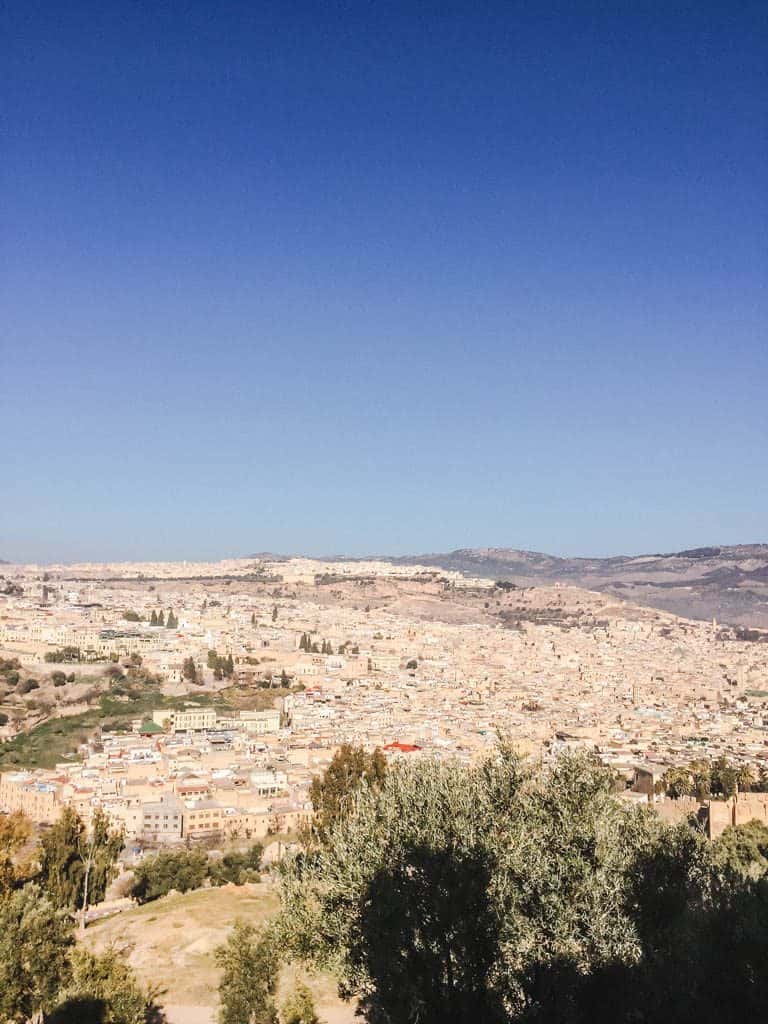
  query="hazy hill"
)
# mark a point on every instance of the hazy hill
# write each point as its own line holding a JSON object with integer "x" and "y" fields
{"x": 728, "y": 583}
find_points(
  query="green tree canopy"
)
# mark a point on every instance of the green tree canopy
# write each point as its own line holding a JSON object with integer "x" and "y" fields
{"x": 15, "y": 866}
{"x": 77, "y": 864}
{"x": 237, "y": 866}
{"x": 102, "y": 989}
{"x": 249, "y": 973}
{"x": 299, "y": 1007}
{"x": 449, "y": 893}
{"x": 331, "y": 793}
{"x": 181, "y": 870}
{"x": 35, "y": 940}
{"x": 743, "y": 849}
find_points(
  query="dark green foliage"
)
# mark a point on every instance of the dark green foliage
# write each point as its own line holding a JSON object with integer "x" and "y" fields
{"x": 103, "y": 989}
{"x": 724, "y": 778}
{"x": 77, "y": 865}
{"x": 180, "y": 870}
{"x": 299, "y": 1007}
{"x": 442, "y": 939}
{"x": 719, "y": 778}
{"x": 222, "y": 667}
{"x": 249, "y": 972}
{"x": 677, "y": 782}
{"x": 64, "y": 654}
{"x": 9, "y": 671}
{"x": 189, "y": 670}
{"x": 171, "y": 622}
{"x": 447, "y": 894}
{"x": 131, "y": 616}
{"x": 184, "y": 870}
{"x": 35, "y": 940}
{"x": 704, "y": 942}
{"x": 58, "y": 678}
{"x": 237, "y": 867}
{"x": 44, "y": 977}
{"x": 743, "y": 849}
{"x": 331, "y": 793}
{"x": 153, "y": 618}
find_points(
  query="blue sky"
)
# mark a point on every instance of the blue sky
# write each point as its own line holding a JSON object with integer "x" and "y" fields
{"x": 362, "y": 277}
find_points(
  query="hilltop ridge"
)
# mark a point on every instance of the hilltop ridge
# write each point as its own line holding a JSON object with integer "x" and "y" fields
{"x": 728, "y": 582}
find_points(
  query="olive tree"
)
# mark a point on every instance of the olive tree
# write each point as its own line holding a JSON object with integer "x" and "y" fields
{"x": 35, "y": 940}
{"x": 492, "y": 892}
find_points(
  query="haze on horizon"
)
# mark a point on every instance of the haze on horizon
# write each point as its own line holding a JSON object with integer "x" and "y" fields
{"x": 382, "y": 280}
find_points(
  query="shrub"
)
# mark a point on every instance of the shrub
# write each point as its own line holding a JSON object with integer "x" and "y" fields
{"x": 299, "y": 1007}
{"x": 181, "y": 870}
{"x": 238, "y": 868}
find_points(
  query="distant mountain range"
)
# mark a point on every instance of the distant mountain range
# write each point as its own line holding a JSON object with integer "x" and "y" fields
{"x": 726, "y": 583}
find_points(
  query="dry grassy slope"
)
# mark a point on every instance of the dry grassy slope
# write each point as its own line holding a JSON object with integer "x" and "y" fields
{"x": 172, "y": 944}
{"x": 465, "y": 607}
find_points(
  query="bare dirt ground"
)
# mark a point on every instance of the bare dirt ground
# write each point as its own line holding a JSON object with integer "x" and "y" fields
{"x": 172, "y": 943}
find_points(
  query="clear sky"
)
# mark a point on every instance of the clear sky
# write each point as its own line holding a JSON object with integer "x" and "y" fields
{"x": 382, "y": 277}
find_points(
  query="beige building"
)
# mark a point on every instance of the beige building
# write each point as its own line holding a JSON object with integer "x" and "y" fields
{"x": 259, "y": 723}
{"x": 193, "y": 719}
{"x": 39, "y": 801}
{"x": 203, "y": 818}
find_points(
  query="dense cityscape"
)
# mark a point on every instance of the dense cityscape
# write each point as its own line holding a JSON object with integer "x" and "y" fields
{"x": 260, "y": 671}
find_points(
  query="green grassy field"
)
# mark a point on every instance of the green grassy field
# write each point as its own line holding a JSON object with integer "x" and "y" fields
{"x": 55, "y": 740}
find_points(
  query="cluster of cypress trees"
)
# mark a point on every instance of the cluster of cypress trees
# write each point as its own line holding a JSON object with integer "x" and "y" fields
{"x": 222, "y": 667}
{"x": 159, "y": 619}
{"x": 305, "y": 644}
